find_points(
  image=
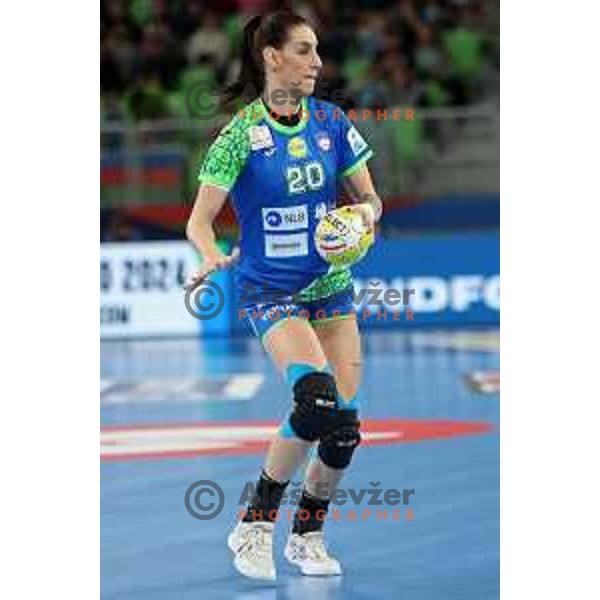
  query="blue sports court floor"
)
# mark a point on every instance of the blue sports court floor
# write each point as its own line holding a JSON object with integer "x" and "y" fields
{"x": 175, "y": 412}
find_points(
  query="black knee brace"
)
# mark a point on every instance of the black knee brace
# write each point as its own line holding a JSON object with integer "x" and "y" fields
{"x": 315, "y": 402}
{"x": 340, "y": 439}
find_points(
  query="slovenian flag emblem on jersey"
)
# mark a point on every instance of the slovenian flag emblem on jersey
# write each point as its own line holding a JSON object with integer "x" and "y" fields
{"x": 323, "y": 141}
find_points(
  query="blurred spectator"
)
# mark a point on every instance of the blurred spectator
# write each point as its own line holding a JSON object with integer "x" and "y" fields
{"x": 306, "y": 10}
{"x": 121, "y": 49}
{"x": 159, "y": 58}
{"x": 417, "y": 52}
{"x": 186, "y": 18}
{"x": 464, "y": 45}
{"x": 431, "y": 69}
{"x": 142, "y": 12}
{"x": 111, "y": 79}
{"x": 147, "y": 99}
{"x": 370, "y": 33}
{"x": 403, "y": 89}
{"x": 254, "y": 7}
{"x": 332, "y": 86}
{"x": 209, "y": 40}
{"x": 114, "y": 13}
{"x": 428, "y": 55}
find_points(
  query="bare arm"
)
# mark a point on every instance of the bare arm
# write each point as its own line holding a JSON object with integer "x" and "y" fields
{"x": 360, "y": 187}
{"x": 199, "y": 230}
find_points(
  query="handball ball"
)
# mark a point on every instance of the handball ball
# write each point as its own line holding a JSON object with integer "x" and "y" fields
{"x": 342, "y": 238}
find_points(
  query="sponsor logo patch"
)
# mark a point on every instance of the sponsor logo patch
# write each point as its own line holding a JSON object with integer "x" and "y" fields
{"x": 356, "y": 141}
{"x": 260, "y": 137}
{"x": 286, "y": 246}
{"x": 286, "y": 218}
{"x": 297, "y": 147}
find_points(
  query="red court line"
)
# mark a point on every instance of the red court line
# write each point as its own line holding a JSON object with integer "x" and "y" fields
{"x": 398, "y": 430}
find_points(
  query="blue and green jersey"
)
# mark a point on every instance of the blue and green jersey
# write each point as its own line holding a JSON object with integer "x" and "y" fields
{"x": 282, "y": 180}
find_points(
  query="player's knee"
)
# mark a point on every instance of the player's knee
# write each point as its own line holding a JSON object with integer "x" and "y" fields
{"x": 340, "y": 440}
{"x": 315, "y": 401}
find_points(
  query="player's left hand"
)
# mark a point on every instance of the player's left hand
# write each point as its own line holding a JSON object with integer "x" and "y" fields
{"x": 210, "y": 266}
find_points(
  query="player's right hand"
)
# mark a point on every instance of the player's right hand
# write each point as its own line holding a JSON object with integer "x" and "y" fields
{"x": 212, "y": 264}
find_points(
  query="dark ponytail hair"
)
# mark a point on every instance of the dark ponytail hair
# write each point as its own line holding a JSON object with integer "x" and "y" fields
{"x": 259, "y": 32}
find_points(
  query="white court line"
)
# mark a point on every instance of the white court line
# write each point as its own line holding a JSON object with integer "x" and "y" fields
{"x": 184, "y": 439}
{"x": 235, "y": 388}
{"x": 243, "y": 385}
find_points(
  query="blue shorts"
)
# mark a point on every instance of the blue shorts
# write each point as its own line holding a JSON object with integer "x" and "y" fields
{"x": 263, "y": 317}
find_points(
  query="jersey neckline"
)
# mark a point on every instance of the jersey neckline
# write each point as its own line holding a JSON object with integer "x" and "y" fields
{"x": 285, "y": 129}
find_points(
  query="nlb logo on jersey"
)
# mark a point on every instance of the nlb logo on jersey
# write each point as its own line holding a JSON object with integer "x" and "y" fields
{"x": 286, "y": 218}
{"x": 273, "y": 219}
{"x": 297, "y": 147}
{"x": 356, "y": 141}
{"x": 260, "y": 137}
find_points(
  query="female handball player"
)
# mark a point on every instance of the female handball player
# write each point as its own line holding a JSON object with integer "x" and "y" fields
{"x": 282, "y": 160}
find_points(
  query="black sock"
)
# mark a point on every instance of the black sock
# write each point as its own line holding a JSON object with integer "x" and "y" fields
{"x": 266, "y": 499}
{"x": 315, "y": 521}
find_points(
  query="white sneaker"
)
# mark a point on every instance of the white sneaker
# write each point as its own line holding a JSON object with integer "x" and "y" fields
{"x": 309, "y": 553}
{"x": 252, "y": 545}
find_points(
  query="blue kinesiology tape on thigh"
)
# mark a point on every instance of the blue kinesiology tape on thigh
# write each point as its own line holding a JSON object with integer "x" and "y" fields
{"x": 297, "y": 370}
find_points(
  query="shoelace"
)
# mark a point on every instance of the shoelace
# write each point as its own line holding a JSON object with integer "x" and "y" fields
{"x": 315, "y": 546}
{"x": 259, "y": 542}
